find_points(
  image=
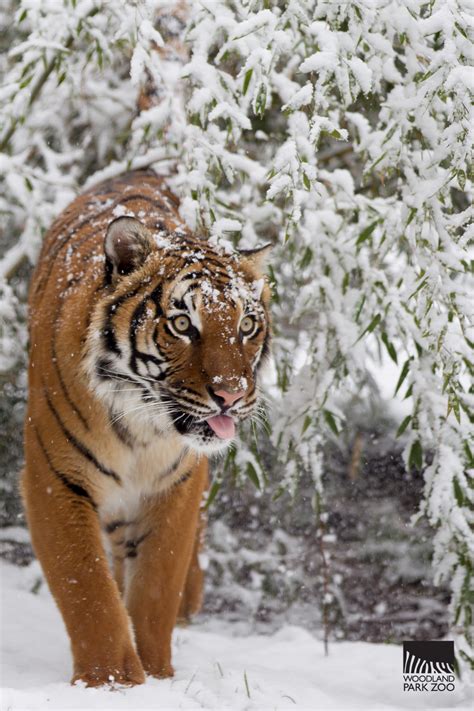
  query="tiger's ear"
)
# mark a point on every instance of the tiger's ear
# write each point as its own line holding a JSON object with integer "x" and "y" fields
{"x": 127, "y": 244}
{"x": 258, "y": 257}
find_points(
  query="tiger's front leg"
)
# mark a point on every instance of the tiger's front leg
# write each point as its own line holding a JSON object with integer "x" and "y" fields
{"x": 157, "y": 572}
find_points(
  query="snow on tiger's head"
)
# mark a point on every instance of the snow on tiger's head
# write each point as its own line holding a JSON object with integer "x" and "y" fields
{"x": 179, "y": 340}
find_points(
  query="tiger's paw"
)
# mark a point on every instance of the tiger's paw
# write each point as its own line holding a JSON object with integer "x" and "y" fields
{"x": 160, "y": 671}
{"x": 128, "y": 672}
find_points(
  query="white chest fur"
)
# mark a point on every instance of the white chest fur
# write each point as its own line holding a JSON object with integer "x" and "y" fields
{"x": 148, "y": 471}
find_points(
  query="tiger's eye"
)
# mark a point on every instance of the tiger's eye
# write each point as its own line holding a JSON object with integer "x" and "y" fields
{"x": 247, "y": 325}
{"x": 181, "y": 324}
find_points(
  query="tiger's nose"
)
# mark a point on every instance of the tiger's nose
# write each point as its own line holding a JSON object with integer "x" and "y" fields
{"x": 224, "y": 398}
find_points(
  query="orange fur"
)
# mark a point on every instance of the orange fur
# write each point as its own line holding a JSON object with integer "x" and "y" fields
{"x": 117, "y": 433}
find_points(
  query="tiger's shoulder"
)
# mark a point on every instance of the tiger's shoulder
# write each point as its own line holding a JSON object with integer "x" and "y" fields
{"x": 72, "y": 255}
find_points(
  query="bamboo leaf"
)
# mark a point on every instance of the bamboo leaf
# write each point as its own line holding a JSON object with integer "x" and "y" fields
{"x": 404, "y": 425}
{"x": 415, "y": 458}
{"x": 253, "y": 475}
{"x": 403, "y": 375}
{"x": 412, "y": 214}
{"x": 365, "y": 234}
{"x": 247, "y": 78}
{"x": 329, "y": 417}
{"x": 458, "y": 493}
{"x": 216, "y": 485}
{"x": 375, "y": 321}
{"x": 390, "y": 348}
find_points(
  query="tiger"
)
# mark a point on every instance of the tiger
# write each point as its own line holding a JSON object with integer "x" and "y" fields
{"x": 146, "y": 349}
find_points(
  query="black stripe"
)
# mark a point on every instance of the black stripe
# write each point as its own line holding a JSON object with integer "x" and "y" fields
{"x": 108, "y": 334}
{"x": 132, "y": 332}
{"x": 146, "y": 198}
{"x": 114, "y": 525}
{"x": 108, "y": 272}
{"x": 123, "y": 433}
{"x": 265, "y": 349}
{"x": 180, "y": 303}
{"x": 75, "y": 489}
{"x": 147, "y": 358}
{"x": 79, "y": 446}
{"x": 56, "y": 246}
{"x": 174, "y": 466}
{"x": 184, "y": 477}
{"x": 64, "y": 388}
{"x": 155, "y": 296}
{"x": 170, "y": 332}
{"x": 132, "y": 545}
{"x": 104, "y": 370}
{"x": 198, "y": 404}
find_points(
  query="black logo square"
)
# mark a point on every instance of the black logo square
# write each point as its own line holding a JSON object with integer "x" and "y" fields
{"x": 428, "y": 657}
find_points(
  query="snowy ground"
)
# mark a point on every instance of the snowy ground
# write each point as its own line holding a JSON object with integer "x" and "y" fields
{"x": 214, "y": 668}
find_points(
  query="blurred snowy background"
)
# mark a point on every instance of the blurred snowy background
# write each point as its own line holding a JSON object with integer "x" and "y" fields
{"x": 340, "y": 132}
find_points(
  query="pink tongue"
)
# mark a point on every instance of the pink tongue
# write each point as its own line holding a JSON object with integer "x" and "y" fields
{"x": 223, "y": 426}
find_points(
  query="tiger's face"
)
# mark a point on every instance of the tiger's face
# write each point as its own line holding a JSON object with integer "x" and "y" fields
{"x": 179, "y": 342}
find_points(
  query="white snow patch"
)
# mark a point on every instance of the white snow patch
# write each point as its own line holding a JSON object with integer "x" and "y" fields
{"x": 287, "y": 670}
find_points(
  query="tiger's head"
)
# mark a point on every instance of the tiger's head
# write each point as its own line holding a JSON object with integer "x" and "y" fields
{"x": 178, "y": 342}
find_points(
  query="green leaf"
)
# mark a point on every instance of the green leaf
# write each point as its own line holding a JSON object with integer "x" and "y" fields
{"x": 279, "y": 493}
{"x": 375, "y": 321}
{"x": 306, "y": 182}
{"x": 460, "y": 29}
{"x": 469, "y": 455}
{"x": 329, "y": 417}
{"x": 378, "y": 160}
{"x": 360, "y": 306}
{"x": 403, "y": 375}
{"x": 307, "y": 422}
{"x": 365, "y": 234}
{"x": 29, "y": 185}
{"x": 421, "y": 285}
{"x": 253, "y": 475}
{"x": 390, "y": 134}
{"x": 458, "y": 493}
{"x": 404, "y": 425}
{"x": 26, "y": 81}
{"x": 415, "y": 458}
{"x": 462, "y": 179}
{"x": 453, "y": 405}
{"x": 390, "y": 348}
{"x": 306, "y": 258}
{"x": 247, "y": 78}
{"x": 346, "y": 282}
{"x": 216, "y": 485}
{"x": 261, "y": 101}
{"x": 412, "y": 214}
{"x": 23, "y": 16}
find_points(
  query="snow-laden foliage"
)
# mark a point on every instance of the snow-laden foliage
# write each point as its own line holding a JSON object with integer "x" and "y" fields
{"x": 339, "y": 131}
